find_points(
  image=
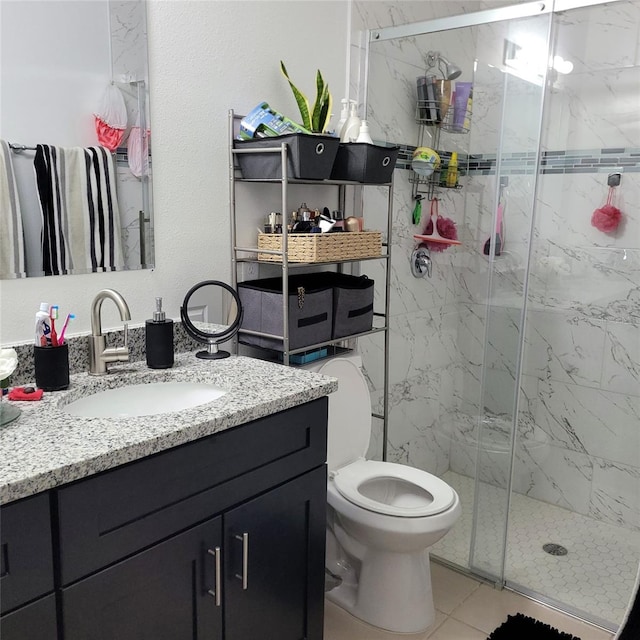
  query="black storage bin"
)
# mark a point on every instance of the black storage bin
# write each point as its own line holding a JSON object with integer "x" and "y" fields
{"x": 310, "y": 311}
{"x": 364, "y": 162}
{"x": 352, "y": 305}
{"x": 310, "y": 157}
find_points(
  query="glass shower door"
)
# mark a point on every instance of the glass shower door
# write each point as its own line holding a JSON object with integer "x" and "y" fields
{"x": 574, "y": 526}
{"x": 511, "y": 63}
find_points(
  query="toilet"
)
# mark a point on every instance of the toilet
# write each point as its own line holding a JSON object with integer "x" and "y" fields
{"x": 382, "y": 517}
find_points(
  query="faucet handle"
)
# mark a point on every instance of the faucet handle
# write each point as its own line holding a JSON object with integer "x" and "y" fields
{"x": 126, "y": 335}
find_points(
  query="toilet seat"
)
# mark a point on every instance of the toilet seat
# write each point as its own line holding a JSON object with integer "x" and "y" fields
{"x": 393, "y": 489}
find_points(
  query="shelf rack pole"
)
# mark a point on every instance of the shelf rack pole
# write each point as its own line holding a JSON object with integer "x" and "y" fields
{"x": 285, "y": 254}
{"x": 387, "y": 306}
{"x": 232, "y": 218}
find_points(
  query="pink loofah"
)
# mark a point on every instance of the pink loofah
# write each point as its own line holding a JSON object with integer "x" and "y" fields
{"x": 446, "y": 228}
{"x": 606, "y": 218}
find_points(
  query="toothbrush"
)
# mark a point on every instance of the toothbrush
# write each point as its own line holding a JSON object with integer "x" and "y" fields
{"x": 53, "y": 314}
{"x": 70, "y": 316}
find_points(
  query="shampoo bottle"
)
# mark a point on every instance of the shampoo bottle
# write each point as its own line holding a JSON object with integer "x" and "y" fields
{"x": 452, "y": 171}
{"x": 363, "y": 135}
{"x": 351, "y": 128}
{"x": 159, "y": 339}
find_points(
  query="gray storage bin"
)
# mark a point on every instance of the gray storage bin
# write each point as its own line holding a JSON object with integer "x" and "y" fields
{"x": 309, "y": 157}
{"x": 364, "y": 162}
{"x": 352, "y": 301}
{"x": 352, "y": 305}
{"x": 310, "y": 311}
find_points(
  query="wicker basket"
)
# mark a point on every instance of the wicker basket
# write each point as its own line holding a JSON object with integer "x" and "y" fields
{"x": 322, "y": 247}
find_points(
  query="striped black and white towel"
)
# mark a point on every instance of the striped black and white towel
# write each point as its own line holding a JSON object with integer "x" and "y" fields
{"x": 80, "y": 215}
{"x": 12, "y": 256}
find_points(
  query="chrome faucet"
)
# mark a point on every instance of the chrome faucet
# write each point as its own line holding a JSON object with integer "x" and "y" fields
{"x": 99, "y": 353}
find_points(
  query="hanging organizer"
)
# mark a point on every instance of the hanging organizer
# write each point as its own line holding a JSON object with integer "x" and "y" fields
{"x": 433, "y": 117}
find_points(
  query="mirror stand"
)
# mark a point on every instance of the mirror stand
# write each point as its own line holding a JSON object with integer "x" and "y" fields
{"x": 212, "y": 334}
{"x": 212, "y": 352}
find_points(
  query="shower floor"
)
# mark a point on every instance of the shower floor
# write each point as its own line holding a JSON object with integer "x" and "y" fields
{"x": 594, "y": 579}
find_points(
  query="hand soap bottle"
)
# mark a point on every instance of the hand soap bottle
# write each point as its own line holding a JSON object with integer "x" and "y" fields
{"x": 159, "y": 339}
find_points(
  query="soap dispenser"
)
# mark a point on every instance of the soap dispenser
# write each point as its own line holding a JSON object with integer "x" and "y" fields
{"x": 351, "y": 127}
{"x": 159, "y": 339}
{"x": 344, "y": 114}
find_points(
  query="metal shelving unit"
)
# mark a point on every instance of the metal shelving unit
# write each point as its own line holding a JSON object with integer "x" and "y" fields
{"x": 248, "y": 254}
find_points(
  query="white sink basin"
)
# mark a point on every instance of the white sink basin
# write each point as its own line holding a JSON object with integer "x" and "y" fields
{"x": 144, "y": 400}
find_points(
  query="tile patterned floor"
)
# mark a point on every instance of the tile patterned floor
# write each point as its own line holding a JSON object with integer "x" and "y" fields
{"x": 595, "y": 577}
{"x": 466, "y": 609}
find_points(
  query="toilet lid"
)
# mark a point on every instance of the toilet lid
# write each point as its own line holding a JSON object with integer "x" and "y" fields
{"x": 349, "y": 425}
{"x": 393, "y": 489}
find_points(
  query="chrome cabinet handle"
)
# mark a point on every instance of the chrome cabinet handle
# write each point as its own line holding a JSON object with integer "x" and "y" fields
{"x": 244, "y": 538}
{"x": 217, "y": 594}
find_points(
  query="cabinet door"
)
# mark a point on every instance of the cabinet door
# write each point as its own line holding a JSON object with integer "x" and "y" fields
{"x": 26, "y": 556}
{"x": 162, "y": 593}
{"x": 35, "y": 621}
{"x": 274, "y": 563}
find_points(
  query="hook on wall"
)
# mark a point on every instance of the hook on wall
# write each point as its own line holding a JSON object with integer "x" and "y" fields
{"x": 613, "y": 180}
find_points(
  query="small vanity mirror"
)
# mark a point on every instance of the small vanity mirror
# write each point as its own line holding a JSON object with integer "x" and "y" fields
{"x": 211, "y": 313}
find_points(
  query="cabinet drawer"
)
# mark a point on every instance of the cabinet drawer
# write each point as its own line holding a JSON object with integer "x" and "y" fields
{"x": 35, "y": 621}
{"x": 114, "y": 514}
{"x": 26, "y": 559}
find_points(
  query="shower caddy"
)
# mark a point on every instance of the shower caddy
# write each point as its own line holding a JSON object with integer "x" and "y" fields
{"x": 282, "y": 254}
{"x": 427, "y": 187}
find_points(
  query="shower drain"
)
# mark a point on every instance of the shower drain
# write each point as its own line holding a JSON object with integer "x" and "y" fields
{"x": 554, "y": 549}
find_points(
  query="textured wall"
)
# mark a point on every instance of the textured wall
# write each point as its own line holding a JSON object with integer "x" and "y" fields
{"x": 204, "y": 58}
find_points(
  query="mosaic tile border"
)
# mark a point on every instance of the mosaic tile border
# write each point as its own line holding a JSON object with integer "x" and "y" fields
{"x": 605, "y": 160}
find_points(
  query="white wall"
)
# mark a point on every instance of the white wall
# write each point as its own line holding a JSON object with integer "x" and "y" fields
{"x": 204, "y": 58}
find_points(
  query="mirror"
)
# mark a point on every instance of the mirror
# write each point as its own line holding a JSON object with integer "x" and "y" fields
{"x": 60, "y": 61}
{"x": 211, "y": 313}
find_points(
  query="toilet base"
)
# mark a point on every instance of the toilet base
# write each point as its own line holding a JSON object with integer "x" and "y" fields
{"x": 392, "y": 592}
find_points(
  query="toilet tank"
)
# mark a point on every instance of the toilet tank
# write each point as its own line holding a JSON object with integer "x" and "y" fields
{"x": 349, "y": 426}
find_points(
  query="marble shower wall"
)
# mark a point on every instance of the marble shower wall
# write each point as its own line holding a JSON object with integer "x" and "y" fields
{"x": 579, "y": 404}
{"x": 582, "y": 338}
{"x": 423, "y": 321}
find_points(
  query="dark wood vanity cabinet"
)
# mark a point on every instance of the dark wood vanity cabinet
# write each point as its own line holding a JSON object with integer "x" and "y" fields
{"x": 222, "y": 538}
{"x": 27, "y": 601}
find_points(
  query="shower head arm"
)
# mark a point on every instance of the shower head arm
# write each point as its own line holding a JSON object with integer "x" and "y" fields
{"x": 449, "y": 72}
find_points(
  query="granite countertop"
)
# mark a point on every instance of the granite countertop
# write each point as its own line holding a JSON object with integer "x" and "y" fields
{"x": 46, "y": 447}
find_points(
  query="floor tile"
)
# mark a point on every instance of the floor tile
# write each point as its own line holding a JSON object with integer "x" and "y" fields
{"x": 341, "y": 625}
{"x": 456, "y": 630}
{"x": 450, "y": 588}
{"x": 487, "y": 608}
{"x": 587, "y": 579}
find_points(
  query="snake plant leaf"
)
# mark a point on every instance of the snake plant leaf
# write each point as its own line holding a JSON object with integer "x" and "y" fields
{"x": 301, "y": 99}
{"x": 318, "y": 119}
{"x": 325, "y": 114}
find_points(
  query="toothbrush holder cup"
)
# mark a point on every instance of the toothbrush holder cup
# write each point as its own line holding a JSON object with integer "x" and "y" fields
{"x": 51, "y": 367}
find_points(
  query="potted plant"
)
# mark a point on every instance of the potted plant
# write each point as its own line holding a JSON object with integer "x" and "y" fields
{"x": 314, "y": 119}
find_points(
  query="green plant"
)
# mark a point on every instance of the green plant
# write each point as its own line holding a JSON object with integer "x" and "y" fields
{"x": 316, "y": 119}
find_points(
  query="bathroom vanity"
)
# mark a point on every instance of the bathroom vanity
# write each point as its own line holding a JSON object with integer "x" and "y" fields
{"x": 208, "y": 523}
